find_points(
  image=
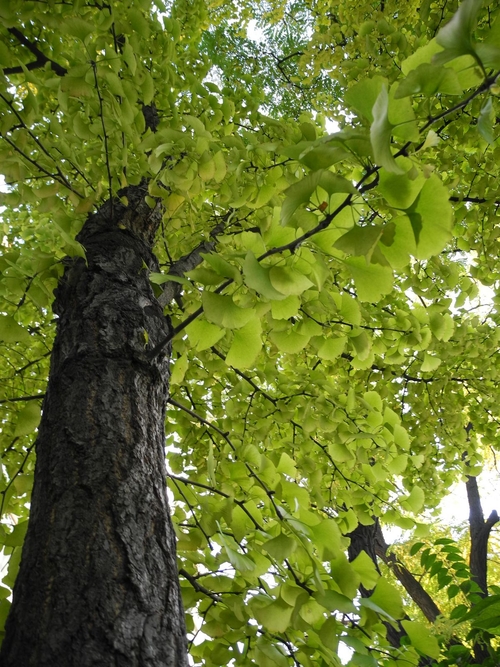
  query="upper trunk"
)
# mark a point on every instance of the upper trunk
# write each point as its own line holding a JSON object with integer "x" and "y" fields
{"x": 98, "y": 580}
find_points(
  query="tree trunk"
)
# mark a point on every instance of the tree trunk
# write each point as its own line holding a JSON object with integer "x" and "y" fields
{"x": 98, "y": 580}
{"x": 412, "y": 586}
{"x": 479, "y": 530}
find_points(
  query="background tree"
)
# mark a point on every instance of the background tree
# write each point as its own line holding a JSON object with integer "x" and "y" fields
{"x": 316, "y": 294}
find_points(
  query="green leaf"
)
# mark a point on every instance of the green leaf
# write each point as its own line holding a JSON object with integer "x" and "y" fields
{"x": 280, "y": 547}
{"x": 380, "y": 134}
{"x": 288, "y": 281}
{"x": 290, "y": 342}
{"x": 339, "y": 452}
{"x": 366, "y": 569}
{"x": 77, "y": 27}
{"x": 372, "y": 281}
{"x": 486, "y": 121}
{"x": 275, "y": 617}
{"x": 399, "y": 246}
{"x": 422, "y": 639}
{"x": 430, "y": 363}
{"x": 332, "y": 348}
{"x": 399, "y": 190}
{"x": 301, "y": 192}
{"x": 297, "y": 194}
{"x": 246, "y": 345}
{"x": 456, "y": 36}
{"x": 11, "y": 331}
{"x": 429, "y": 79}
{"x": 388, "y": 598}
{"x": 28, "y": 419}
{"x": 416, "y": 548}
{"x": 286, "y": 465}
{"x": 363, "y": 95}
{"x": 257, "y": 277}
{"x": 203, "y": 335}
{"x": 360, "y": 240}
{"x": 442, "y": 326}
{"x": 334, "y": 601}
{"x": 240, "y": 562}
{"x": 161, "y": 278}
{"x": 422, "y": 55}
{"x": 323, "y": 156}
{"x": 398, "y": 464}
{"x": 222, "y": 310}
{"x": 415, "y": 501}
{"x": 147, "y": 88}
{"x": 288, "y": 307}
{"x": 345, "y": 576}
{"x": 362, "y": 344}
{"x": 221, "y": 266}
{"x": 431, "y": 218}
{"x": 16, "y": 537}
{"x": 179, "y": 370}
{"x": 327, "y": 538}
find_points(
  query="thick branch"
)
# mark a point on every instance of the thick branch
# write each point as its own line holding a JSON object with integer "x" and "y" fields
{"x": 172, "y": 290}
{"x": 413, "y": 587}
{"x": 479, "y": 535}
{"x": 41, "y": 58}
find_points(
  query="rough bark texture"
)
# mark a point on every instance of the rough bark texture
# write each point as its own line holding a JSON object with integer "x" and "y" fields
{"x": 369, "y": 539}
{"x": 479, "y": 530}
{"x": 98, "y": 580}
{"x": 479, "y": 535}
{"x": 412, "y": 586}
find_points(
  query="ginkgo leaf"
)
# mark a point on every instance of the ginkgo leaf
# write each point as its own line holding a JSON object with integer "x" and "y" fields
{"x": 288, "y": 281}
{"x": 360, "y": 240}
{"x": 11, "y": 331}
{"x": 332, "y": 348}
{"x": 288, "y": 307}
{"x": 28, "y": 419}
{"x": 486, "y": 120}
{"x": 301, "y": 192}
{"x": 415, "y": 501}
{"x": 430, "y": 363}
{"x": 280, "y": 547}
{"x": 431, "y": 218}
{"x": 363, "y": 95}
{"x": 275, "y": 617}
{"x": 289, "y": 341}
{"x": 203, "y": 334}
{"x": 399, "y": 190}
{"x": 366, "y": 569}
{"x": 257, "y": 277}
{"x": 221, "y": 266}
{"x": 222, "y": 310}
{"x": 456, "y": 35}
{"x": 422, "y": 639}
{"x": 380, "y": 134}
{"x": 372, "y": 281}
{"x": 246, "y": 345}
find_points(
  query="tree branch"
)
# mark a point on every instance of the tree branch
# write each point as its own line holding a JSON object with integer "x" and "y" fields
{"x": 172, "y": 290}
{"x": 41, "y": 58}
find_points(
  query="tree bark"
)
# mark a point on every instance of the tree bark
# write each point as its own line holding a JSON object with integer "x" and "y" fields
{"x": 412, "y": 586}
{"x": 479, "y": 531}
{"x": 479, "y": 535}
{"x": 371, "y": 540}
{"x": 98, "y": 581}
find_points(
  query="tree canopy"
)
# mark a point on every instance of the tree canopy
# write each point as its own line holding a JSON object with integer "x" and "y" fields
{"x": 332, "y": 372}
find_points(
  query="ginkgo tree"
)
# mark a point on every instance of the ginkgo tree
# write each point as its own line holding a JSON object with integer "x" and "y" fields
{"x": 191, "y": 258}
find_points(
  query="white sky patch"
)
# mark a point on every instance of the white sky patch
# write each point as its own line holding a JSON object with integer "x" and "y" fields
{"x": 254, "y": 32}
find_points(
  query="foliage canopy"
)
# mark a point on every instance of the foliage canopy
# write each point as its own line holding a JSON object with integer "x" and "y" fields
{"x": 331, "y": 368}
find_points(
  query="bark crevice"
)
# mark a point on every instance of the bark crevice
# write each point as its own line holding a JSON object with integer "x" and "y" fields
{"x": 98, "y": 581}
